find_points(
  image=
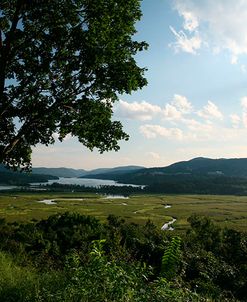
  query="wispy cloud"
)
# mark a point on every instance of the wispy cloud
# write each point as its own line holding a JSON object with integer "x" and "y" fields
{"x": 180, "y": 121}
{"x": 190, "y": 21}
{"x": 182, "y": 104}
{"x": 171, "y": 112}
{"x": 219, "y": 24}
{"x": 210, "y": 111}
{"x": 177, "y": 108}
{"x": 153, "y": 131}
{"x": 196, "y": 126}
{"x": 186, "y": 43}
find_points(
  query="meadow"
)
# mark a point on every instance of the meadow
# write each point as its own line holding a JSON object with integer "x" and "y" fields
{"x": 227, "y": 211}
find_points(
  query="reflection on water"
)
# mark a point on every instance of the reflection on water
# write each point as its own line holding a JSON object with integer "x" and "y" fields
{"x": 47, "y": 201}
{"x": 167, "y": 227}
{"x": 53, "y": 201}
{"x": 7, "y": 187}
{"x": 115, "y": 197}
{"x": 87, "y": 182}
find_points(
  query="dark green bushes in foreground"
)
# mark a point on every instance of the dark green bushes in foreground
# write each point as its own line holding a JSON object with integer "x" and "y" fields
{"x": 71, "y": 257}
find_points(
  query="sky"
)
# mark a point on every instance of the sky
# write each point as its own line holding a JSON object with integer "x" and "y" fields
{"x": 195, "y": 103}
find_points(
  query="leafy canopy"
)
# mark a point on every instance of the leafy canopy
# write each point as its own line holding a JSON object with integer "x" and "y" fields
{"x": 63, "y": 64}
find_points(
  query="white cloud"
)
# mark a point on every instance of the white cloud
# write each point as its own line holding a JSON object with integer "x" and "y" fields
{"x": 185, "y": 43}
{"x": 234, "y": 60}
{"x": 196, "y": 126}
{"x": 153, "y": 131}
{"x": 190, "y": 21}
{"x": 194, "y": 132}
{"x": 182, "y": 104}
{"x": 220, "y": 24}
{"x": 171, "y": 112}
{"x": 142, "y": 111}
{"x": 235, "y": 120}
{"x": 210, "y": 111}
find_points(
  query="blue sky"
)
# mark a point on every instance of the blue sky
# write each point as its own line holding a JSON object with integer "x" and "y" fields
{"x": 195, "y": 103}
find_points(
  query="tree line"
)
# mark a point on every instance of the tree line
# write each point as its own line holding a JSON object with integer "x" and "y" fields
{"x": 219, "y": 185}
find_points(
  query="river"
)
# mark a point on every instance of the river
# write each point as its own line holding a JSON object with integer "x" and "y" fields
{"x": 3, "y": 187}
{"x": 87, "y": 182}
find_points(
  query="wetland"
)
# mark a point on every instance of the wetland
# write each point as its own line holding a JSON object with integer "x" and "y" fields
{"x": 225, "y": 210}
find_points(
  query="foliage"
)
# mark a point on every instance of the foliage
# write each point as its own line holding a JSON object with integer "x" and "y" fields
{"x": 171, "y": 258}
{"x": 63, "y": 63}
{"x": 216, "y": 259}
{"x": 97, "y": 280}
{"x": 21, "y": 283}
{"x": 118, "y": 261}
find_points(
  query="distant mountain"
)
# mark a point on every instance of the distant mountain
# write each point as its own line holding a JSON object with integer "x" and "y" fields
{"x": 60, "y": 172}
{"x": 103, "y": 173}
{"x": 234, "y": 167}
{"x": 41, "y": 174}
{"x": 68, "y": 172}
{"x": 196, "y": 176}
{"x": 197, "y": 167}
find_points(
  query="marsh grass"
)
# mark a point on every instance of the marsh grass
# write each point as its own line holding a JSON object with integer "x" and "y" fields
{"x": 229, "y": 211}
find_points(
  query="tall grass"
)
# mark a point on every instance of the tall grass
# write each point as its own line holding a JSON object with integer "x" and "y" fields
{"x": 19, "y": 284}
{"x": 99, "y": 280}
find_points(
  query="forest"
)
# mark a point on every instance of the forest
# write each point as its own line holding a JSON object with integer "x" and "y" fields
{"x": 181, "y": 184}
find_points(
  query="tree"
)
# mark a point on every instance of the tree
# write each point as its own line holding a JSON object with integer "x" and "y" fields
{"x": 63, "y": 64}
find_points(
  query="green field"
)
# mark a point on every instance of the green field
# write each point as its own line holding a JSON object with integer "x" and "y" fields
{"x": 230, "y": 211}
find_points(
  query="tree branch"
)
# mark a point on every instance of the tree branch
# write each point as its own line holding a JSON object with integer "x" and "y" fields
{"x": 6, "y": 49}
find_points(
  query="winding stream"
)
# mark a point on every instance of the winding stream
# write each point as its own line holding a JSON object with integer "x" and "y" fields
{"x": 167, "y": 226}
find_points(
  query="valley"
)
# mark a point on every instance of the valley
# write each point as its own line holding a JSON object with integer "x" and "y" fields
{"x": 225, "y": 210}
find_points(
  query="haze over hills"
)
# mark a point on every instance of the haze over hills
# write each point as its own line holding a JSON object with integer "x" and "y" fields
{"x": 68, "y": 172}
{"x": 191, "y": 171}
{"x": 60, "y": 172}
{"x": 43, "y": 174}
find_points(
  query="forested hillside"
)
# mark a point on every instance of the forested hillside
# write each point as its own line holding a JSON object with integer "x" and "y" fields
{"x": 235, "y": 167}
{"x": 59, "y": 172}
{"x": 9, "y": 177}
{"x": 198, "y": 176}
